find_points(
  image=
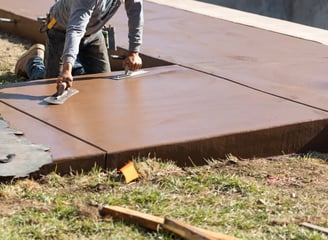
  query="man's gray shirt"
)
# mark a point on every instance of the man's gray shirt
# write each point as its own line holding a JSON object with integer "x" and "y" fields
{"x": 85, "y": 17}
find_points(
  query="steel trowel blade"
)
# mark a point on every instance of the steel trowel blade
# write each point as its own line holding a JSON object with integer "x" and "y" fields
{"x": 60, "y": 99}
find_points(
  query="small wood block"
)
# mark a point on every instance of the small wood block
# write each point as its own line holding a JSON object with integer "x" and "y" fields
{"x": 129, "y": 172}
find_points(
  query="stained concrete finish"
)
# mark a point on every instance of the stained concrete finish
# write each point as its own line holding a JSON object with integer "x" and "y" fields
{"x": 67, "y": 151}
{"x": 218, "y": 99}
{"x": 173, "y": 112}
{"x": 278, "y": 64}
{"x": 31, "y": 9}
{"x": 25, "y": 13}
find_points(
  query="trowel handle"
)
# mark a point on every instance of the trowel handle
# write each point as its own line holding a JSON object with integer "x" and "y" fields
{"x": 61, "y": 87}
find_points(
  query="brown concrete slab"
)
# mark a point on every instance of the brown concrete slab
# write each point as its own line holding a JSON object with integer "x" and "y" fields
{"x": 175, "y": 113}
{"x": 67, "y": 151}
{"x": 278, "y": 64}
{"x": 283, "y": 65}
{"x": 183, "y": 114}
{"x": 25, "y": 13}
{"x": 29, "y": 9}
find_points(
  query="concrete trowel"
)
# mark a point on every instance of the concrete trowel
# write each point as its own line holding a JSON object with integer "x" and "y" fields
{"x": 61, "y": 95}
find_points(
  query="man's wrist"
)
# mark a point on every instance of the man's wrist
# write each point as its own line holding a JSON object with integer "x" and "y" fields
{"x": 67, "y": 66}
{"x": 133, "y": 53}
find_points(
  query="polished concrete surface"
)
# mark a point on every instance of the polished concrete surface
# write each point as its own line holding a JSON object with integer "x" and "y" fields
{"x": 275, "y": 63}
{"x": 171, "y": 112}
{"x": 231, "y": 89}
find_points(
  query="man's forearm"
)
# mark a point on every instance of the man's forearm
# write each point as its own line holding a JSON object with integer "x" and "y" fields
{"x": 67, "y": 68}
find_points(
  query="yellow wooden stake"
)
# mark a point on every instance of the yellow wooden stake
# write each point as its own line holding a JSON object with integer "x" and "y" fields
{"x": 129, "y": 172}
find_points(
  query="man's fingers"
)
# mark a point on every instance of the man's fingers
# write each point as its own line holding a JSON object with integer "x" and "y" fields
{"x": 64, "y": 83}
{"x": 69, "y": 84}
{"x": 133, "y": 66}
{"x": 134, "y": 62}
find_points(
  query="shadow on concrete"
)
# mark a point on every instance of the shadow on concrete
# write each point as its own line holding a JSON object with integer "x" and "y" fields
{"x": 20, "y": 96}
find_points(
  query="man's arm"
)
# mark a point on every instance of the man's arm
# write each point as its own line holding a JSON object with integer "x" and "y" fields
{"x": 134, "y": 10}
{"x": 81, "y": 12}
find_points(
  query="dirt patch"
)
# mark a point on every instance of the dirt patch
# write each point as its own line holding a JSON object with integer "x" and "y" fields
{"x": 11, "y": 48}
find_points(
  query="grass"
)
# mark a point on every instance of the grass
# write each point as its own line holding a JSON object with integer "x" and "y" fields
{"x": 218, "y": 197}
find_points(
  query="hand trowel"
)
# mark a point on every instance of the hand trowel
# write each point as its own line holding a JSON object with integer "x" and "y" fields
{"x": 61, "y": 95}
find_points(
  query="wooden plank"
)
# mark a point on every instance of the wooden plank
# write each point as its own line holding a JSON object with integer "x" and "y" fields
{"x": 189, "y": 232}
{"x": 315, "y": 227}
{"x": 145, "y": 220}
{"x": 153, "y": 223}
{"x": 185, "y": 231}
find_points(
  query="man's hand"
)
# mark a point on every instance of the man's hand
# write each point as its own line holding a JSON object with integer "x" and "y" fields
{"x": 133, "y": 60}
{"x": 66, "y": 75}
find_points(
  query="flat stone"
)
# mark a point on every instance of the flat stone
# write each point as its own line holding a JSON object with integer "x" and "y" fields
{"x": 18, "y": 156}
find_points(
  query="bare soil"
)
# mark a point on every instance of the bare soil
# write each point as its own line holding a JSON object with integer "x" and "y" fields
{"x": 11, "y": 48}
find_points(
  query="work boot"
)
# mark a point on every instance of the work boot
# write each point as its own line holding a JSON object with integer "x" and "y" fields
{"x": 36, "y": 50}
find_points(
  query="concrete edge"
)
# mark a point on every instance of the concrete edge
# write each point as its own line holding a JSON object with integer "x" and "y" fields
{"x": 250, "y": 19}
{"x": 299, "y": 137}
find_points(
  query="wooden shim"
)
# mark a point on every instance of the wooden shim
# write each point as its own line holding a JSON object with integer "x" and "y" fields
{"x": 315, "y": 227}
{"x": 153, "y": 223}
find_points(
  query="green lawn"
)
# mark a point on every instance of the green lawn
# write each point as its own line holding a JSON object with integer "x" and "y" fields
{"x": 249, "y": 199}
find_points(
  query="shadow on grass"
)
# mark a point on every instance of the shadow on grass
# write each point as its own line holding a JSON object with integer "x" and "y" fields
{"x": 316, "y": 155}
